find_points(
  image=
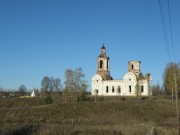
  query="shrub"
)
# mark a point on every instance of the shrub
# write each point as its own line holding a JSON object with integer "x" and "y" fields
{"x": 123, "y": 98}
{"x": 48, "y": 100}
{"x": 82, "y": 96}
{"x": 144, "y": 98}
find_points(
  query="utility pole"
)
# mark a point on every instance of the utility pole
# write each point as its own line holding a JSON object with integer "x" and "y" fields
{"x": 172, "y": 94}
{"x": 177, "y": 101}
{"x": 65, "y": 96}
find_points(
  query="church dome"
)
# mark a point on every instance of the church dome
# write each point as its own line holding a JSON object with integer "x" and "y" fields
{"x": 103, "y": 52}
{"x": 103, "y": 47}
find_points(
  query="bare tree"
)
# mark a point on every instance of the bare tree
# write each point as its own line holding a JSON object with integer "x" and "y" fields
{"x": 75, "y": 80}
{"x": 157, "y": 90}
{"x": 51, "y": 84}
{"x": 57, "y": 84}
{"x": 69, "y": 75}
{"x": 22, "y": 90}
{"x": 45, "y": 83}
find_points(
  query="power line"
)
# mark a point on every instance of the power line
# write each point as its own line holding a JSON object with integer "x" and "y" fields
{"x": 167, "y": 45}
{"x": 164, "y": 29}
{"x": 175, "y": 75}
{"x": 171, "y": 31}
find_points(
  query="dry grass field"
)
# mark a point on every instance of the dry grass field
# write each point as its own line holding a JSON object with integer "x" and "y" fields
{"x": 105, "y": 116}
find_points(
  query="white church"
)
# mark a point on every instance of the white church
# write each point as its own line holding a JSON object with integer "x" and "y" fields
{"x": 132, "y": 84}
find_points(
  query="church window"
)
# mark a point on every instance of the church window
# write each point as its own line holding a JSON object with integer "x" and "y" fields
{"x": 129, "y": 88}
{"x": 107, "y": 89}
{"x": 97, "y": 80}
{"x": 142, "y": 88}
{"x": 112, "y": 88}
{"x": 97, "y": 91}
{"x": 101, "y": 63}
{"x": 119, "y": 89}
{"x": 132, "y": 66}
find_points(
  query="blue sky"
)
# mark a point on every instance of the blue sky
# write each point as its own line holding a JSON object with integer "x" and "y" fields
{"x": 46, "y": 37}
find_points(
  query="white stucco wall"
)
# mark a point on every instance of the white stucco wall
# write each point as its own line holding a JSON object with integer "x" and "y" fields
{"x": 129, "y": 82}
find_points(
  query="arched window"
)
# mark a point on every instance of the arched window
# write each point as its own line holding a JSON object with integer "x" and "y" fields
{"x": 119, "y": 89}
{"x": 101, "y": 63}
{"x": 97, "y": 91}
{"x": 107, "y": 89}
{"x": 129, "y": 88}
{"x": 142, "y": 88}
{"x": 132, "y": 66}
{"x": 112, "y": 89}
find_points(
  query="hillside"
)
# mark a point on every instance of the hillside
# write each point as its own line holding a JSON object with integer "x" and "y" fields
{"x": 106, "y": 115}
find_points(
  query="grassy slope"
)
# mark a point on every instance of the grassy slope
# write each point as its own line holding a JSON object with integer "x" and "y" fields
{"x": 106, "y": 116}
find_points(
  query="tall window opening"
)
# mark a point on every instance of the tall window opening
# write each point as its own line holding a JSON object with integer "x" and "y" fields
{"x": 142, "y": 88}
{"x": 101, "y": 63}
{"x": 107, "y": 89}
{"x": 132, "y": 66}
{"x": 129, "y": 88}
{"x": 119, "y": 89}
{"x": 113, "y": 89}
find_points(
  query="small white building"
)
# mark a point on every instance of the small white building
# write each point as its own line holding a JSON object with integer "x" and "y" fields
{"x": 132, "y": 84}
{"x": 33, "y": 93}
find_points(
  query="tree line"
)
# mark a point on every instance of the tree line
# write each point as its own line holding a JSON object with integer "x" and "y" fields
{"x": 75, "y": 85}
{"x": 75, "y": 82}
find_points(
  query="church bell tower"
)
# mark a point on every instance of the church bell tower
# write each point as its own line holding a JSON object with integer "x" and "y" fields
{"x": 103, "y": 65}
